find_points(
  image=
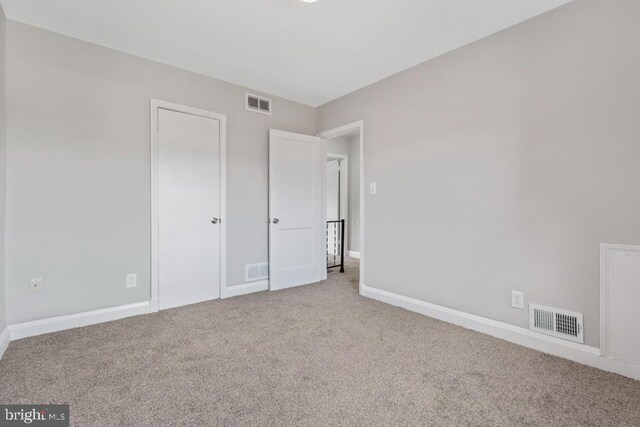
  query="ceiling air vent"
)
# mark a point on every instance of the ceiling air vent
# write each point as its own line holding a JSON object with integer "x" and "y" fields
{"x": 557, "y": 323}
{"x": 258, "y": 104}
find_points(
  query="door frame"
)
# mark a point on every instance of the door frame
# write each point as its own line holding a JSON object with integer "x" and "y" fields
{"x": 344, "y": 183}
{"x": 155, "y": 106}
{"x": 343, "y": 131}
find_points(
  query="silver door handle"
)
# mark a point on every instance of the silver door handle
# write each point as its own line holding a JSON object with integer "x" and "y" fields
{"x": 275, "y": 220}
{"x": 215, "y": 220}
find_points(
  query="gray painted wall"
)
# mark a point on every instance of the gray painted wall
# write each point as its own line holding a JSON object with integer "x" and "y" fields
{"x": 504, "y": 164}
{"x": 338, "y": 145}
{"x": 78, "y": 205}
{"x": 3, "y": 161}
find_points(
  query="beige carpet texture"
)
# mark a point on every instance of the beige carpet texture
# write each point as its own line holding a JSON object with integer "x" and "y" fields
{"x": 308, "y": 356}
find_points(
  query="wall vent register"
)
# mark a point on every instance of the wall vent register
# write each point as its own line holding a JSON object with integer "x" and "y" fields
{"x": 557, "y": 323}
{"x": 258, "y": 104}
{"x": 257, "y": 272}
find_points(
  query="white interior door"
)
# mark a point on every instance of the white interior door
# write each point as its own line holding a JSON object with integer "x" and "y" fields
{"x": 188, "y": 208}
{"x": 296, "y": 209}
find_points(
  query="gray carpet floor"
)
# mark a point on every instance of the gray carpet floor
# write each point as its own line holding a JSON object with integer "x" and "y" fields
{"x": 314, "y": 355}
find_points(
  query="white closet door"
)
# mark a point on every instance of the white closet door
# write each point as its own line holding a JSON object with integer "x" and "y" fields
{"x": 188, "y": 208}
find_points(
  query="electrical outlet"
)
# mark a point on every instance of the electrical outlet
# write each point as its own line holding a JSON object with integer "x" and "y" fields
{"x": 517, "y": 299}
{"x": 132, "y": 280}
{"x": 35, "y": 285}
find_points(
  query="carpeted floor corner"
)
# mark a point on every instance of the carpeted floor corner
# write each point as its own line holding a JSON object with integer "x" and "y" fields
{"x": 314, "y": 355}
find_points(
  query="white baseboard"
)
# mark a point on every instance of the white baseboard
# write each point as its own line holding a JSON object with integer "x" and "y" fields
{"x": 244, "y": 289}
{"x": 354, "y": 254}
{"x": 69, "y": 321}
{"x": 566, "y": 349}
{"x": 5, "y": 339}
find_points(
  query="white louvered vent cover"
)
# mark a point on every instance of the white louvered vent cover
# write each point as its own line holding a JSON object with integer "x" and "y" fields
{"x": 557, "y": 323}
{"x": 257, "y": 272}
{"x": 258, "y": 104}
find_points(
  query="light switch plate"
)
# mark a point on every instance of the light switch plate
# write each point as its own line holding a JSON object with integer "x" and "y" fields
{"x": 372, "y": 188}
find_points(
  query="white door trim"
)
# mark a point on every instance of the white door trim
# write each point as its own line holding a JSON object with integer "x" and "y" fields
{"x": 342, "y": 131}
{"x": 156, "y": 105}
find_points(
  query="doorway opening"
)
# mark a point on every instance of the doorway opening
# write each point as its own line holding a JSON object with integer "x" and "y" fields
{"x": 298, "y": 244}
{"x": 337, "y": 202}
{"x": 344, "y": 201}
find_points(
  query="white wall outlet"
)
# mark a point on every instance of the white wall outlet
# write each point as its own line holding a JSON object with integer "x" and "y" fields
{"x": 517, "y": 299}
{"x": 35, "y": 285}
{"x": 372, "y": 188}
{"x": 132, "y": 280}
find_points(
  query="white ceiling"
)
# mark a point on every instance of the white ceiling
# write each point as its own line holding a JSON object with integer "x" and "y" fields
{"x": 306, "y": 52}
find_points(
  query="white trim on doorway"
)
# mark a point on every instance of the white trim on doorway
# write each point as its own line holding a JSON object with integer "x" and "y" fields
{"x": 156, "y": 105}
{"x": 348, "y": 129}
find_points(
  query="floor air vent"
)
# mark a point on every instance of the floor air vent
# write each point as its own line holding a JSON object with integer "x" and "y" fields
{"x": 258, "y": 104}
{"x": 557, "y": 323}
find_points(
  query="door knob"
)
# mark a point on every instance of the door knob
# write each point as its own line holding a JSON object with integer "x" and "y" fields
{"x": 276, "y": 220}
{"x": 215, "y": 220}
